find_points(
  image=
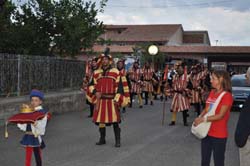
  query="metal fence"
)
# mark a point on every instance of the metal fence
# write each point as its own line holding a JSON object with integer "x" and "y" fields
{"x": 21, "y": 73}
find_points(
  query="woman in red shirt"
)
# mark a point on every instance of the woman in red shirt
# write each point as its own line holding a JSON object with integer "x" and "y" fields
{"x": 217, "y": 136}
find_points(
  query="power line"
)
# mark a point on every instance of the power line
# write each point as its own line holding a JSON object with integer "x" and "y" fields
{"x": 203, "y": 4}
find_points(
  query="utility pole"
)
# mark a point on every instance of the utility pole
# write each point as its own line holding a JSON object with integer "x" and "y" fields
{"x": 216, "y": 41}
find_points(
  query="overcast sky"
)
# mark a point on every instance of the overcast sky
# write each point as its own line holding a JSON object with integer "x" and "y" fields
{"x": 227, "y": 21}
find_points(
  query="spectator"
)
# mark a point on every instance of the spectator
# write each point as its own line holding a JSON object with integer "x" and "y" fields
{"x": 242, "y": 132}
{"x": 216, "y": 139}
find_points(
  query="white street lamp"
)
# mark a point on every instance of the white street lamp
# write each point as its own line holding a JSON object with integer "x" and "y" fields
{"x": 153, "y": 50}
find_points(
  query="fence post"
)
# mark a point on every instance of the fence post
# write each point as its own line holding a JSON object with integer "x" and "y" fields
{"x": 18, "y": 74}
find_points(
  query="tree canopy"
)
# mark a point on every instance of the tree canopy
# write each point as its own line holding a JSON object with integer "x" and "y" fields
{"x": 50, "y": 27}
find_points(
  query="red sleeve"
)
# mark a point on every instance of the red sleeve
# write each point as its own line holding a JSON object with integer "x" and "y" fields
{"x": 227, "y": 99}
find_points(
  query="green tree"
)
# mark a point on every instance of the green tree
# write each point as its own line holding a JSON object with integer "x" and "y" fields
{"x": 6, "y": 29}
{"x": 141, "y": 51}
{"x": 52, "y": 27}
{"x": 77, "y": 26}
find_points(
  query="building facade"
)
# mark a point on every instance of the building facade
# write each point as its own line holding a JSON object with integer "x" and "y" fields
{"x": 174, "y": 42}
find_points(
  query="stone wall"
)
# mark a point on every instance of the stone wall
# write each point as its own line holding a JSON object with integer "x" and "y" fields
{"x": 56, "y": 103}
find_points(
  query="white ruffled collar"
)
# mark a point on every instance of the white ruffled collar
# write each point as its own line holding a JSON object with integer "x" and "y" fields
{"x": 38, "y": 108}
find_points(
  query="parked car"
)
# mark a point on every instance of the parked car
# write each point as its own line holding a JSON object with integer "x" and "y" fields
{"x": 241, "y": 90}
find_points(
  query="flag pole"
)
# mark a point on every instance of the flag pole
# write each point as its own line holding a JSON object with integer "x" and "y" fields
{"x": 164, "y": 101}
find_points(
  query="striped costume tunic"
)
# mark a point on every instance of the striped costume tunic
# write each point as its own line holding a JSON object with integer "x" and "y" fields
{"x": 89, "y": 96}
{"x": 205, "y": 85}
{"x": 196, "y": 89}
{"x": 148, "y": 79}
{"x": 110, "y": 85}
{"x": 125, "y": 86}
{"x": 180, "y": 101}
{"x": 203, "y": 74}
{"x": 135, "y": 76}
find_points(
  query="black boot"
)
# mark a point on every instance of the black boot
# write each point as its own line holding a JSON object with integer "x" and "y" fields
{"x": 146, "y": 98}
{"x": 172, "y": 123}
{"x": 131, "y": 100}
{"x": 102, "y": 136}
{"x": 37, "y": 156}
{"x": 130, "y": 105}
{"x": 117, "y": 132}
{"x": 184, "y": 115}
{"x": 123, "y": 110}
{"x": 197, "y": 108}
{"x": 91, "y": 109}
{"x": 161, "y": 98}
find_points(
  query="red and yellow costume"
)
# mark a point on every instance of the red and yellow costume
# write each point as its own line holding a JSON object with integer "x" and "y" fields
{"x": 148, "y": 78}
{"x": 110, "y": 85}
{"x": 196, "y": 88}
{"x": 180, "y": 99}
{"x": 113, "y": 93}
{"x": 206, "y": 85}
{"x": 195, "y": 80}
{"x": 123, "y": 77}
{"x": 125, "y": 84}
{"x": 91, "y": 66}
{"x": 180, "y": 102}
{"x": 135, "y": 77}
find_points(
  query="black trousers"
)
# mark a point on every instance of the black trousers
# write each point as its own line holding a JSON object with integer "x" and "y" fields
{"x": 146, "y": 97}
{"x": 215, "y": 145}
{"x": 37, "y": 155}
{"x": 131, "y": 98}
{"x": 91, "y": 109}
{"x": 197, "y": 108}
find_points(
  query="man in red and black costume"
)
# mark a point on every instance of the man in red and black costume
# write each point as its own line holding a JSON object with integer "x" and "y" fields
{"x": 108, "y": 88}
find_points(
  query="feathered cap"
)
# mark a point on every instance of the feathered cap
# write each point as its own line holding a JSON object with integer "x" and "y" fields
{"x": 106, "y": 54}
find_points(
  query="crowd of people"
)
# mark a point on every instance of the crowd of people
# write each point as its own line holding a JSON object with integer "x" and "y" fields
{"x": 110, "y": 89}
{"x": 185, "y": 87}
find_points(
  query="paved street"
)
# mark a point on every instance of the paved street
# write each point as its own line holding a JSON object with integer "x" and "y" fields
{"x": 71, "y": 138}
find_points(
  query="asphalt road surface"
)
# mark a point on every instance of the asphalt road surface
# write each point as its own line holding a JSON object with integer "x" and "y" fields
{"x": 71, "y": 137}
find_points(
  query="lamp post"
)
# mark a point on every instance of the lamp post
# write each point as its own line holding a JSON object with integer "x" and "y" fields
{"x": 153, "y": 50}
